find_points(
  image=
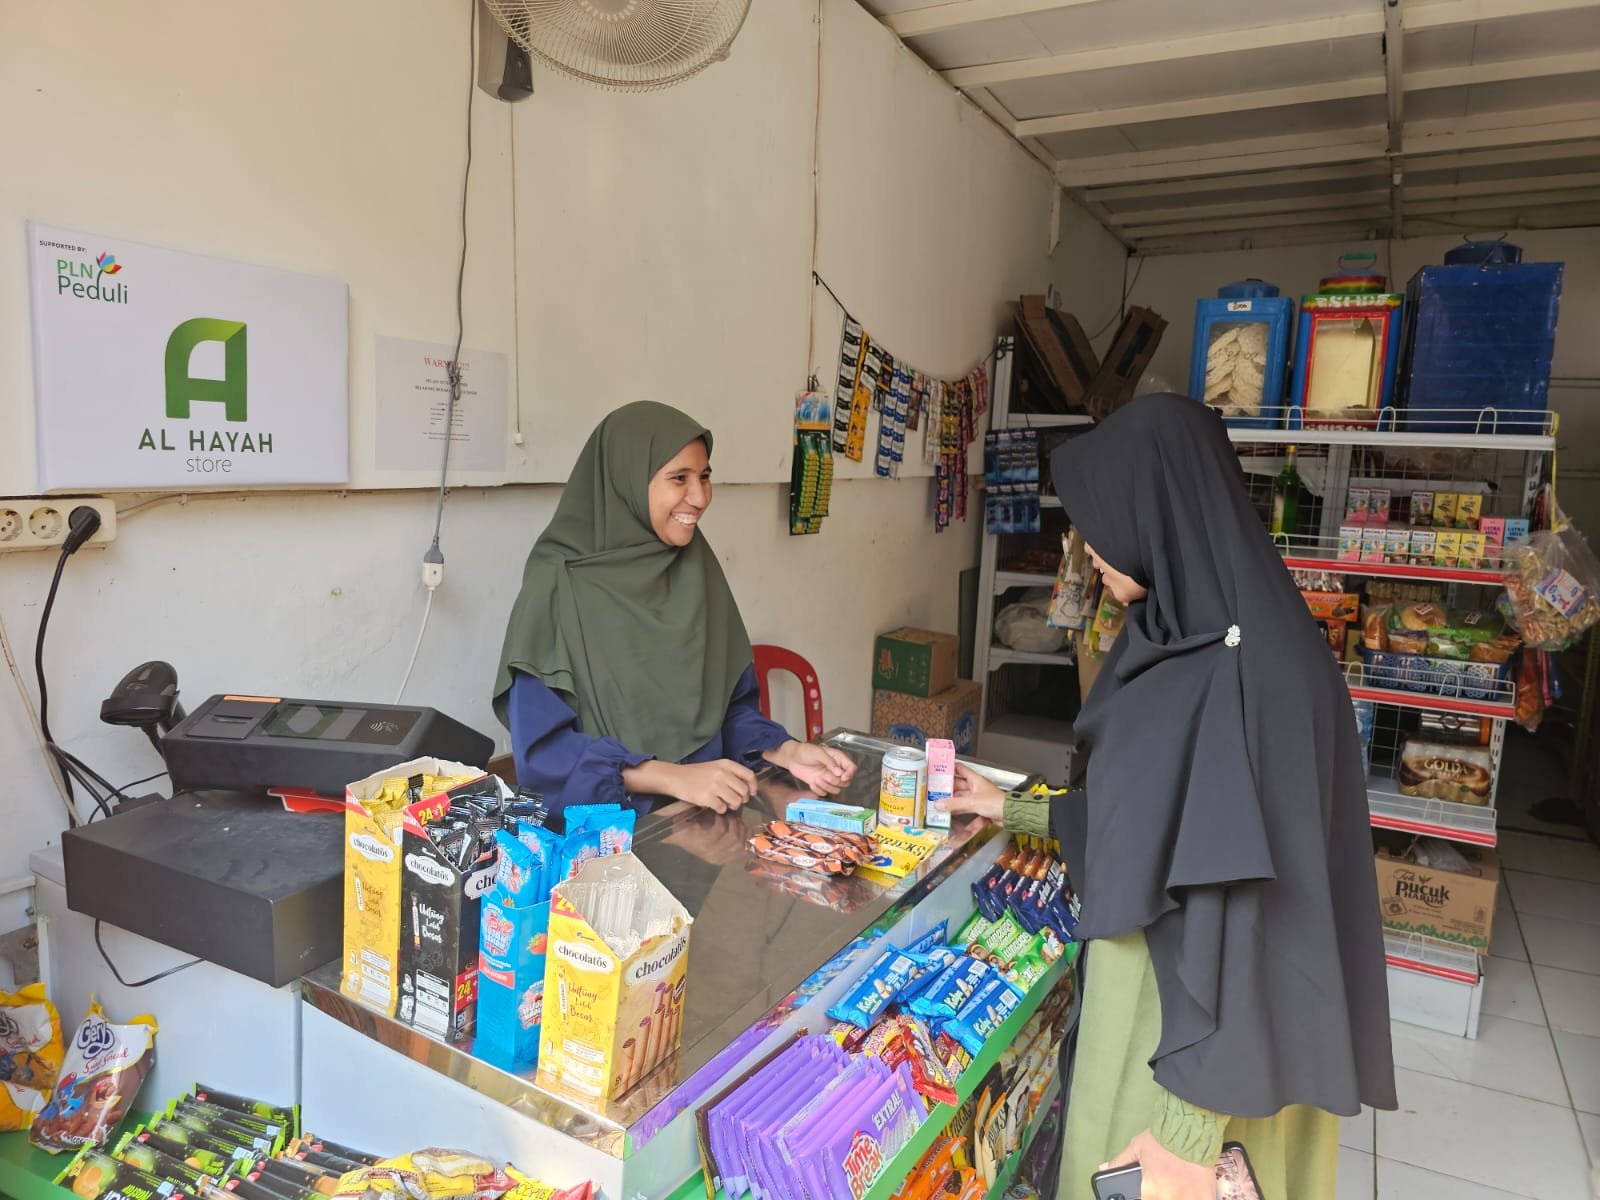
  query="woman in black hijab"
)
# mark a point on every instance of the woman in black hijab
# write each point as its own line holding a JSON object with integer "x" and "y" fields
{"x": 1235, "y": 985}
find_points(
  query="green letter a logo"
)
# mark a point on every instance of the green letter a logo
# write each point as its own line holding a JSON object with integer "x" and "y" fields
{"x": 229, "y": 391}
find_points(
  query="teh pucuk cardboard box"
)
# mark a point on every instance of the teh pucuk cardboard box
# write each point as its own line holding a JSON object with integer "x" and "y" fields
{"x": 372, "y": 883}
{"x": 1453, "y": 906}
{"x": 916, "y": 662}
{"x": 615, "y": 980}
{"x": 953, "y": 714}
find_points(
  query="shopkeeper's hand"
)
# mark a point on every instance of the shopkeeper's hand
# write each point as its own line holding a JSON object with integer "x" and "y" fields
{"x": 722, "y": 785}
{"x": 823, "y": 769}
{"x": 1162, "y": 1174}
{"x": 974, "y": 794}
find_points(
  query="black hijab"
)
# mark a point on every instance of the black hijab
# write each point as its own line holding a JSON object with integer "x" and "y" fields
{"x": 1226, "y": 810}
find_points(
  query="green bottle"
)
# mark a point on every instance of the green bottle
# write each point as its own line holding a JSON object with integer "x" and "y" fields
{"x": 1286, "y": 497}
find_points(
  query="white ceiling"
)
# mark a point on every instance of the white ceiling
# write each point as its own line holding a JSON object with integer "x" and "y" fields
{"x": 1204, "y": 124}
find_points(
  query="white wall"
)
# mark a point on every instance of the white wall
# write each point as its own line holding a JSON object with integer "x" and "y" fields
{"x": 662, "y": 247}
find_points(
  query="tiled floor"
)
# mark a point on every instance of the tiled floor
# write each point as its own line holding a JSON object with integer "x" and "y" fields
{"x": 1515, "y": 1113}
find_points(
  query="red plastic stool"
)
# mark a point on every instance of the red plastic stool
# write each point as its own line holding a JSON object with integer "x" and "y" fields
{"x": 776, "y": 658}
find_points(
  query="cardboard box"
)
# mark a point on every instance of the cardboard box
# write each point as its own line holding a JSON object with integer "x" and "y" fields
{"x": 372, "y": 853}
{"x": 440, "y": 906}
{"x": 1126, "y": 362}
{"x": 1058, "y": 341}
{"x": 1452, "y": 906}
{"x": 952, "y": 714}
{"x": 616, "y": 985}
{"x": 916, "y": 662}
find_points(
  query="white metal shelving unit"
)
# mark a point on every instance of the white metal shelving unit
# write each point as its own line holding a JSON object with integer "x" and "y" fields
{"x": 1431, "y": 983}
{"x": 1036, "y": 744}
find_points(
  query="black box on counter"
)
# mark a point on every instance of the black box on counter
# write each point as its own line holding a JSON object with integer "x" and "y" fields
{"x": 442, "y": 884}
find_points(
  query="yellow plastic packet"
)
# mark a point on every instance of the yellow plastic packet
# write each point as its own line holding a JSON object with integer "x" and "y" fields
{"x": 30, "y": 1054}
{"x": 528, "y": 1188}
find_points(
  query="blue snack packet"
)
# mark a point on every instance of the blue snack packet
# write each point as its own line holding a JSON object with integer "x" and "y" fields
{"x": 937, "y": 936}
{"x": 983, "y": 1013}
{"x": 943, "y": 999}
{"x": 882, "y": 984}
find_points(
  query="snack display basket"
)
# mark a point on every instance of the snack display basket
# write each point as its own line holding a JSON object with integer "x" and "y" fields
{"x": 1446, "y": 677}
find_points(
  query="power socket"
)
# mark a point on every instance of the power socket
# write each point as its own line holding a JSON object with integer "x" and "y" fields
{"x": 40, "y": 523}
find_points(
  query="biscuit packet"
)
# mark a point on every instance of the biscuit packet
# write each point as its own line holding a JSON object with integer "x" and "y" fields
{"x": 103, "y": 1070}
{"x": 1553, "y": 587}
{"x": 30, "y": 1055}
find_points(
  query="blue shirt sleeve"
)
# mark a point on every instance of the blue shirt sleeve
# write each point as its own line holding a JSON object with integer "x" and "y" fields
{"x": 745, "y": 732}
{"x": 557, "y": 759}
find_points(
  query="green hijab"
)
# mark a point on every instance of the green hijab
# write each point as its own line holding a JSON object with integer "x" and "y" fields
{"x": 642, "y": 639}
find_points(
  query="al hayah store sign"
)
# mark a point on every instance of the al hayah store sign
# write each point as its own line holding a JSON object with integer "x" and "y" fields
{"x": 155, "y": 368}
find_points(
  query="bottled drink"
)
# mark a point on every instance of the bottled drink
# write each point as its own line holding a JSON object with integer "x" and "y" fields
{"x": 1286, "y": 497}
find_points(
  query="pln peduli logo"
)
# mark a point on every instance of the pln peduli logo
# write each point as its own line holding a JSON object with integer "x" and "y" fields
{"x": 86, "y": 280}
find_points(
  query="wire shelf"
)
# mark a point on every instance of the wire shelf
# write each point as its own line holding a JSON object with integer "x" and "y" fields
{"x": 1484, "y": 428}
{"x": 1315, "y": 552}
{"x": 1447, "y": 819}
{"x": 1000, "y": 655}
{"x": 1413, "y": 952}
{"x": 1006, "y": 580}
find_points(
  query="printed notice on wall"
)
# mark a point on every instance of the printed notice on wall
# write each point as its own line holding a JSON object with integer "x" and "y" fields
{"x": 156, "y": 368}
{"x": 414, "y": 400}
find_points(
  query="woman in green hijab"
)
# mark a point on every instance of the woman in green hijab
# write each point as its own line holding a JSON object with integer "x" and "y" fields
{"x": 626, "y": 668}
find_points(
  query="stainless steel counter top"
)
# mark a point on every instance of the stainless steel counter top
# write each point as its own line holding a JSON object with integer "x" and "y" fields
{"x": 766, "y": 939}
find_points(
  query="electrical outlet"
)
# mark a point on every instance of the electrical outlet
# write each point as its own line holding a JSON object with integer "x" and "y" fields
{"x": 40, "y": 522}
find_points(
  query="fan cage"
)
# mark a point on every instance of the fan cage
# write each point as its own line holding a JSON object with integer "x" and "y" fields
{"x": 623, "y": 45}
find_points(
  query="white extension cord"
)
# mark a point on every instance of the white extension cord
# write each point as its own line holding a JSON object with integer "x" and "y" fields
{"x": 432, "y": 577}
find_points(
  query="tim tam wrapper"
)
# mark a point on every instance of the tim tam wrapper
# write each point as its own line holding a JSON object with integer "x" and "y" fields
{"x": 615, "y": 978}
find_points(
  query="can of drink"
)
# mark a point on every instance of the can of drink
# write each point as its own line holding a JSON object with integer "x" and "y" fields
{"x": 903, "y": 794}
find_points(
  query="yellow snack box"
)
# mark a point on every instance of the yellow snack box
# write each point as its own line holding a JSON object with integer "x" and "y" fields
{"x": 902, "y": 850}
{"x": 1444, "y": 509}
{"x": 1447, "y": 549}
{"x": 1469, "y": 510}
{"x": 374, "y": 809}
{"x": 615, "y": 979}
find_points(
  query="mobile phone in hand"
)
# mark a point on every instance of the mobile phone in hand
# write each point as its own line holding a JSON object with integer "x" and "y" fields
{"x": 1235, "y": 1178}
{"x": 1119, "y": 1183}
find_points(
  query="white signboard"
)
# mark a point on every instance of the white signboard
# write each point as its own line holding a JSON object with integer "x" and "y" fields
{"x": 414, "y": 398}
{"x": 159, "y": 369}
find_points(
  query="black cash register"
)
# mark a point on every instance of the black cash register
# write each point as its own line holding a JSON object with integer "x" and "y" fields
{"x": 220, "y": 869}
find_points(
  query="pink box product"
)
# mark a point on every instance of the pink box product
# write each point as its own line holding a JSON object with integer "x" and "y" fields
{"x": 1350, "y": 543}
{"x": 1373, "y": 544}
{"x": 1355, "y": 506}
{"x": 941, "y": 780}
{"x": 1378, "y": 506}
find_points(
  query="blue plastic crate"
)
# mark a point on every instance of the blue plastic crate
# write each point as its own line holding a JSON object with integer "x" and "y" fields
{"x": 1240, "y": 306}
{"x": 1480, "y": 336}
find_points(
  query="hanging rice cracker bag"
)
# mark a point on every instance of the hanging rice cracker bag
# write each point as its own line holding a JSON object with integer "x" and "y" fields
{"x": 104, "y": 1068}
{"x": 30, "y": 1055}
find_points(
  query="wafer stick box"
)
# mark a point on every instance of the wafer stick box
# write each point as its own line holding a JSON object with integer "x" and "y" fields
{"x": 374, "y": 810}
{"x": 615, "y": 979}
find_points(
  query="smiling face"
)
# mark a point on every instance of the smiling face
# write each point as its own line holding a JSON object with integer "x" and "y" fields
{"x": 1122, "y": 587}
{"x": 680, "y": 493}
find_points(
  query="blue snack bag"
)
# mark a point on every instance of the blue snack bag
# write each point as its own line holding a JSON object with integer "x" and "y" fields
{"x": 937, "y": 936}
{"x": 882, "y": 984}
{"x": 942, "y": 1000}
{"x": 983, "y": 1013}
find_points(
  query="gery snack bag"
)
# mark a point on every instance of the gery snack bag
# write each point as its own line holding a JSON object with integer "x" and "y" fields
{"x": 104, "y": 1068}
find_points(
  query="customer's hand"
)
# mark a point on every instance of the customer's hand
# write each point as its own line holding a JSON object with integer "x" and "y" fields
{"x": 974, "y": 794}
{"x": 722, "y": 785}
{"x": 1163, "y": 1175}
{"x": 823, "y": 769}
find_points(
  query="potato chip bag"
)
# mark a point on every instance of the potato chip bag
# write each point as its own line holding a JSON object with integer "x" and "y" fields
{"x": 30, "y": 1054}
{"x": 103, "y": 1070}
